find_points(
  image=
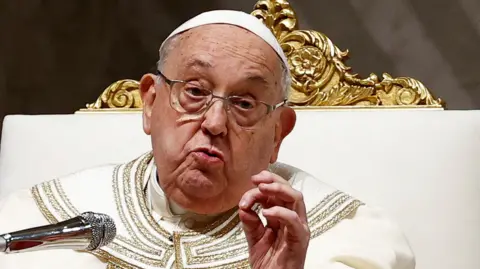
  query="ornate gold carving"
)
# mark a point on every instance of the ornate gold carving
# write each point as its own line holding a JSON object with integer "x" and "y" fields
{"x": 277, "y": 15}
{"x": 320, "y": 77}
{"x": 120, "y": 94}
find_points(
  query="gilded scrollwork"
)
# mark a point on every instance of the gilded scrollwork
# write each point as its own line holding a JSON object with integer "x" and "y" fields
{"x": 277, "y": 15}
{"x": 123, "y": 94}
{"x": 320, "y": 76}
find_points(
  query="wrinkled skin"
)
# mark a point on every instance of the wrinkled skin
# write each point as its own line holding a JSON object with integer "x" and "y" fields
{"x": 230, "y": 61}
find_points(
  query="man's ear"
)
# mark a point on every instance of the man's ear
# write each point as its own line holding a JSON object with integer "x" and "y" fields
{"x": 147, "y": 92}
{"x": 283, "y": 127}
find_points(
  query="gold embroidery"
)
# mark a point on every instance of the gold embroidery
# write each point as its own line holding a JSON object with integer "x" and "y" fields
{"x": 113, "y": 266}
{"x": 158, "y": 240}
{"x": 198, "y": 248}
{"x": 47, "y": 189}
{"x": 191, "y": 259}
{"x": 178, "y": 251}
{"x": 115, "y": 246}
{"x": 327, "y": 212}
{"x": 134, "y": 242}
{"x": 141, "y": 199}
{"x": 322, "y": 204}
{"x": 347, "y": 210}
{"x": 140, "y": 182}
{"x": 113, "y": 261}
{"x": 231, "y": 217}
{"x": 42, "y": 206}
{"x": 234, "y": 246}
{"x": 137, "y": 256}
{"x": 126, "y": 174}
{"x": 64, "y": 197}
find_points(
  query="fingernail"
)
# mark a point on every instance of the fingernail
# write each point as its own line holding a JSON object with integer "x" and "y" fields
{"x": 243, "y": 204}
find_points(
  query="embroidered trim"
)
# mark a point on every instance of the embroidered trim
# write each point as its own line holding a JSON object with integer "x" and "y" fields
{"x": 41, "y": 205}
{"x": 130, "y": 218}
{"x": 213, "y": 232}
{"x": 147, "y": 243}
{"x": 131, "y": 251}
{"x": 347, "y": 210}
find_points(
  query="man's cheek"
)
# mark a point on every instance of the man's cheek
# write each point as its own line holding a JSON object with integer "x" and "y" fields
{"x": 173, "y": 143}
{"x": 241, "y": 140}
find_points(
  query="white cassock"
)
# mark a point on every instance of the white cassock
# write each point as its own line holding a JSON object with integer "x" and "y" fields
{"x": 154, "y": 233}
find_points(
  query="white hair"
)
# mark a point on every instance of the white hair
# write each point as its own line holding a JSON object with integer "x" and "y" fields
{"x": 170, "y": 43}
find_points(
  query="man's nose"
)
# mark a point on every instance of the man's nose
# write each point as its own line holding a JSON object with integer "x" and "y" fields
{"x": 215, "y": 118}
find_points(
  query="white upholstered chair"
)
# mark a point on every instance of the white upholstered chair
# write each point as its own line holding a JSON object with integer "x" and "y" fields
{"x": 405, "y": 154}
{"x": 422, "y": 167}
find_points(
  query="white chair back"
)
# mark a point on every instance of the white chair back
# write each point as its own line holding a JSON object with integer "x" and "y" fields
{"x": 421, "y": 166}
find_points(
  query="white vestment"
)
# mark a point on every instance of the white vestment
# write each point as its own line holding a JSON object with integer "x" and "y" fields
{"x": 153, "y": 233}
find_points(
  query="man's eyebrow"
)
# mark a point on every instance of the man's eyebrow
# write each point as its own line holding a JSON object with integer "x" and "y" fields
{"x": 258, "y": 79}
{"x": 199, "y": 63}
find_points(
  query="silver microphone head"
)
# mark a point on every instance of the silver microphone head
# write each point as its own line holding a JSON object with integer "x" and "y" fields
{"x": 103, "y": 229}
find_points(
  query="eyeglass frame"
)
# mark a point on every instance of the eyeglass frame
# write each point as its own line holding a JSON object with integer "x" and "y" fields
{"x": 171, "y": 82}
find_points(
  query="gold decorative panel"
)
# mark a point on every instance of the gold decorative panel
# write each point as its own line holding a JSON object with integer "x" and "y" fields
{"x": 320, "y": 77}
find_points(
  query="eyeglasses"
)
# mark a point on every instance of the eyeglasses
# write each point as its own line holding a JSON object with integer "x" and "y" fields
{"x": 191, "y": 98}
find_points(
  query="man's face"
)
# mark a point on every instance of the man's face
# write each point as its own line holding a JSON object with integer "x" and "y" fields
{"x": 205, "y": 163}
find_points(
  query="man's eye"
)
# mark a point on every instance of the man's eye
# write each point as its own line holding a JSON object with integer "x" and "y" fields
{"x": 244, "y": 104}
{"x": 197, "y": 92}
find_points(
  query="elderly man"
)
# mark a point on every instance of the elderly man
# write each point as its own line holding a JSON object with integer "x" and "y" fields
{"x": 211, "y": 194}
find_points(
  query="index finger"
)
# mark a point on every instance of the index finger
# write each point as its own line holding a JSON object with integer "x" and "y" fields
{"x": 268, "y": 177}
{"x": 293, "y": 198}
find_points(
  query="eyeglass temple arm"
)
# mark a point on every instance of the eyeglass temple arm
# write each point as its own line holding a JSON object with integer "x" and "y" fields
{"x": 273, "y": 107}
{"x": 168, "y": 81}
{"x": 280, "y": 104}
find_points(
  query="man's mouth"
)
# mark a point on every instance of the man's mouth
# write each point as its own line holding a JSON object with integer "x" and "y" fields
{"x": 210, "y": 153}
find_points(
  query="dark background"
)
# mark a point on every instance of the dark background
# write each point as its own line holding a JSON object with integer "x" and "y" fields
{"x": 58, "y": 55}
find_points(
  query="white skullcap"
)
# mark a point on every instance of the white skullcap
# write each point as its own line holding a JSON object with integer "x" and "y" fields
{"x": 237, "y": 18}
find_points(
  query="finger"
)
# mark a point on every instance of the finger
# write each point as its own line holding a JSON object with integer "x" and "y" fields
{"x": 268, "y": 177}
{"x": 272, "y": 223}
{"x": 282, "y": 191}
{"x": 252, "y": 226}
{"x": 256, "y": 196}
{"x": 297, "y": 230}
{"x": 286, "y": 193}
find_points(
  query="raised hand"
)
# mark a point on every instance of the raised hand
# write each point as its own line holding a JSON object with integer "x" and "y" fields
{"x": 283, "y": 241}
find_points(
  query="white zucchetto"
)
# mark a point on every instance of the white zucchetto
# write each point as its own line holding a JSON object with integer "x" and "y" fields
{"x": 237, "y": 18}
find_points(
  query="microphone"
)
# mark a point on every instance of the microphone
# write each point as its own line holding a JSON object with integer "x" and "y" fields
{"x": 88, "y": 231}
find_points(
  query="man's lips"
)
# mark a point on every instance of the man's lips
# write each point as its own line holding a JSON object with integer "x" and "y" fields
{"x": 209, "y": 153}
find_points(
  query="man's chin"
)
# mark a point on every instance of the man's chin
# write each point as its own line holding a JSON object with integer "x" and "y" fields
{"x": 200, "y": 199}
{"x": 202, "y": 186}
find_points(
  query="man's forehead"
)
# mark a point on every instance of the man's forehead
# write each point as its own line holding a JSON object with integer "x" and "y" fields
{"x": 252, "y": 75}
{"x": 211, "y": 46}
{"x": 222, "y": 36}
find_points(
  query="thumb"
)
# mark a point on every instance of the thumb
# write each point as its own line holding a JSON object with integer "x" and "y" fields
{"x": 252, "y": 226}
